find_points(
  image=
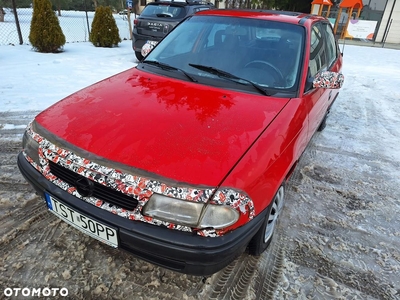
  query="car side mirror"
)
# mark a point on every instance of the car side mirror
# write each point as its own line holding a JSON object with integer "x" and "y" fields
{"x": 328, "y": 80}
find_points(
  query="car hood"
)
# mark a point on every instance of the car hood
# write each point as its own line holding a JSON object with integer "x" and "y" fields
{"x": 182, "y": 131}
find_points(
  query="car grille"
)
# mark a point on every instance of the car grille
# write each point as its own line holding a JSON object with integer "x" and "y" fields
{"x": 99, "y": 191}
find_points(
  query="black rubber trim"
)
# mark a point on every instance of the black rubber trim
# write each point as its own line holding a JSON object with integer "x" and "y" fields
{"x": 304, "y": 19}
{"x": 176, "y": 250}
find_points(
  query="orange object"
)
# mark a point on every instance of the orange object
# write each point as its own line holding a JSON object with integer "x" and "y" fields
{"x": 349, "y": 6}
{"x": 322, "y": 2}
{"x": 351, "y": 3}
{"x": 319, "y": 4}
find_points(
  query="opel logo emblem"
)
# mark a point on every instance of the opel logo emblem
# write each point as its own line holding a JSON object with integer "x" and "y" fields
{"x": 84, "y": 186}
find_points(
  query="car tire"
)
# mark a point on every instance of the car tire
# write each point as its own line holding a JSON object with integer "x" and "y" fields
{"x": 139, "y": 56}
{"x": 323, "y": 123}
{"x": 260, "y": 242}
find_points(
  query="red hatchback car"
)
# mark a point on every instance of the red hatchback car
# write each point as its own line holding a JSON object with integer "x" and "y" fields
{"x": 183, "y": 159}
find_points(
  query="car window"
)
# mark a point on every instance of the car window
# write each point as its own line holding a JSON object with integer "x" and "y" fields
{"x": 331, "y": 46}
{"x": 317, "y": 51}
{"x": 180, "y": 43}
{"x": 213, "y": 36}
{"x": 268, "y": 53}
{"x": 163, "y": 10}
{"x": 266, "y": 33}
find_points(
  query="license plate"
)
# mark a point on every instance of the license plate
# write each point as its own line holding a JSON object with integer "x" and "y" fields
{"x": 152, "y": 43}
{"x": 85, "y": 224}
{"x": 147, "y": 47}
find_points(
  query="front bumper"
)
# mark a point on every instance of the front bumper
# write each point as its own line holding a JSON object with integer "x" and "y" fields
{"x": 176, "y": 250}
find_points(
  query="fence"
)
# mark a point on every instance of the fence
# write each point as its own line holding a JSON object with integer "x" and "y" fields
{"x": 74, "y": 25}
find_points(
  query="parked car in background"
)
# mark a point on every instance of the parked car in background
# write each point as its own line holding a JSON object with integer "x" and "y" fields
{"x": 123, "y": 12}
{"x": 158, "y": 18}
{"x": 183, "y": 160}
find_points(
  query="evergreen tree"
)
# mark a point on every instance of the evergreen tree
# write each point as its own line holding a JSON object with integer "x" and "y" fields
{"x": 46, "y": 34}
{"x": 104, "y": 32}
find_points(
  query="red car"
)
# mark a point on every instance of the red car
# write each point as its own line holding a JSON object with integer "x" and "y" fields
{"x": 183, "y": 159}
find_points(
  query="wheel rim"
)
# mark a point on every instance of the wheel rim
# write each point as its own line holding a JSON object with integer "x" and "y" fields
{"x": 276, "y": 209}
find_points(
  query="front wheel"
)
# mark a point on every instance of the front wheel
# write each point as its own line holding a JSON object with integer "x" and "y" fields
{"x": 260, "y": 242}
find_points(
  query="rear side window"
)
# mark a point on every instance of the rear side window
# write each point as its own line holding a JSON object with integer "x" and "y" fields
{"x": 164, "y": 10}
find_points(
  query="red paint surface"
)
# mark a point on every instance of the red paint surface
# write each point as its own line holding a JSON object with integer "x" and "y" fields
{"x": 194, "y": 133}
{"x": 183, "y": 131}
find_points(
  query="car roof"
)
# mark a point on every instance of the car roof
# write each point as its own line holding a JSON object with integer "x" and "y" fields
{"x": 272, "y": 15}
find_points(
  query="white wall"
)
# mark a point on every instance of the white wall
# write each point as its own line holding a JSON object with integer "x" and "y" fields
{"x": 393, "y": 35}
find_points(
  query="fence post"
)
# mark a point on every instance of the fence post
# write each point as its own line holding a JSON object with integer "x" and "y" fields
{"x": 21, "y": 41}
{"x": 87, "y": 19}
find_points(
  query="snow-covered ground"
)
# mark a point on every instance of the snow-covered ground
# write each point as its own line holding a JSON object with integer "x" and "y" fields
{"x": 33, "y": 81}
{"x": 339, "y": 236}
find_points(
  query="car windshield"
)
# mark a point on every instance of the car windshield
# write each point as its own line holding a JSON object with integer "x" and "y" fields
{"x": 267, "y": 53}
{"x": 161, "y": 10}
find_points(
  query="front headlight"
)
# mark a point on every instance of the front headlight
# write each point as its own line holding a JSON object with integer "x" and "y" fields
{"x": 31, "y": 147}
{"x": 219, "y": 216}
{"x": 190, "y": 213}
{"x": 173, "y": 210}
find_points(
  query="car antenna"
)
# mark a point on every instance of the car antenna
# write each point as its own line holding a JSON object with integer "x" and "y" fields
{"x": 344, "y": 43}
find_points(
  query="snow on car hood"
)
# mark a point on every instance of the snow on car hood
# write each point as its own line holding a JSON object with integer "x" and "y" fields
{"x": 182, "y": 131}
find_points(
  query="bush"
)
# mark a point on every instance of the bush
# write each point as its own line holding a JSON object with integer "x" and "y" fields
{"x": 104, "y": 32}
{"x": 46, "y": 34}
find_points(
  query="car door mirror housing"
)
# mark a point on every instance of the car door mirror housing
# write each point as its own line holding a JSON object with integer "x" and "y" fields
{"x": 328, "y": 80}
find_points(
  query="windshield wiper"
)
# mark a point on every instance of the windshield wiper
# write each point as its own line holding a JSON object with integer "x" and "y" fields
{"x": 227, "y": 75}
{"x": 164, "y": 15}
{"x": 168, "y": 67}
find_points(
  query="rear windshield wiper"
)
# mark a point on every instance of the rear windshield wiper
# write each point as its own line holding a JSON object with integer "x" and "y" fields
{"x": 164, "y": 15}
{"x": 227, "y": 75}
{"x": 167, "y": 67}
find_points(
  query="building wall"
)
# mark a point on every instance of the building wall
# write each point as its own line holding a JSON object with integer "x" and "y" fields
{"x": 392, "y": 14}
{"x": 375, "y": 4}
